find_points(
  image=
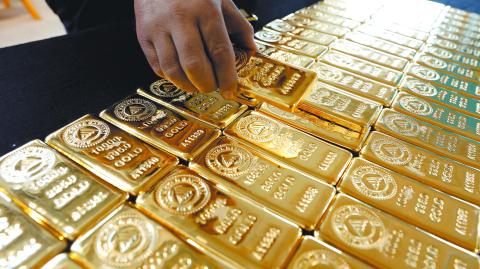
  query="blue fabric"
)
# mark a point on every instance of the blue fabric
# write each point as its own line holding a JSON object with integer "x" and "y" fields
{"x": 469, "y": 5}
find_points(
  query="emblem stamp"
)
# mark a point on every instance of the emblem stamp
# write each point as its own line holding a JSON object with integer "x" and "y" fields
{"x": 328, "y": 74}
{"x": 402, "y": 124}
{"x": 434, "y": 62}
{"x": 257, "y": 128}
{"x": 358, "y": 227}
{"x": 183, "y": 194}
{"x": 320, "y": 258}
{"x": 135, "y": 109}
{"x": 268, "y": 36}
{"x": 374, "y": 182}
{"x": 229, "y": 160}
{"x": 165, "y": 88}
{"x": 391, "y": 151}
{"x": 27, "y": 164}
{"x": 281, "y": 26}
{"x": 86, "y": 133}
{"x": 416, "y": 105}
{"x": 425, "y": 73}
{"x": 241, "y": 58}
{"x": 339, "y": 60}
{"x": 422, "y": 88}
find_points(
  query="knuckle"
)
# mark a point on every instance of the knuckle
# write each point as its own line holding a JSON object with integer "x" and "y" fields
{"x": 221, "y": 51}
{"x": 172, "y": 71}
{"x": 192, "y": 63}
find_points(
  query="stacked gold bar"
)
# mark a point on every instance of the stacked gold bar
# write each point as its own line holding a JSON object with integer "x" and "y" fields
{"x": 353, "y": 142}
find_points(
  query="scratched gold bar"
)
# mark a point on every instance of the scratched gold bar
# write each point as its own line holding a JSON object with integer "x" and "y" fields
{"x": 54, "y": 190}
{"x": 314, "y": 253}
{"x": 129, "y": 239}
{"x": 324, "y": 27}
{"x": 283, "y": 55}
{"x": 161, "y": 127}
{"x": 391, "y": 36}
{"x": 210, "y": 108}
{"x": 325, "y": 17}
{"x": 414, "y": 202}
{"x": 355, "y": 84}
{"x": 362, "y": 67}
{"x": 449, "y": 67}
{"x": 370, "y": 54}
{"x": 381, "y": 45}
{"x": 354, "y": 112}
{"x": 290, "y": 194}
{"x": 316, "y": 126}
{"x": 385, "y": 241}
{"x": 467, "y": 61}
{"x": 225, "y": 224}
{"x": 112, "y": 154}
{"x": 271, "y": 81}
{"x": 290, "y": 42}
{"x": 444, "y": 174}
{"x": 438, "y": 115}
{"x": 62, "y": 261}
{"x": 290, "y": 146}
{"x": 457, "y": 48}
{"x": 451, "y": 99}
{"x": 287, "y": 28}
{"x": 25, "y": 244}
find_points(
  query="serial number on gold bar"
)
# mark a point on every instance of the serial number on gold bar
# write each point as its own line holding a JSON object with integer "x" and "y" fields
{"x": 63, "y": 195}
{"x": 362, "y": 67}
{"x": 458, "y": 58}
{"x": 283, "y": 55}
{"x": 114, "y": 155}
{"x": 449, "y": 67}
{"x": 291, "y": 146}
{"x": 425, "y": 166}
{"x": 438, "y": 115}
{"x": 324, "y": 27}
{"x": 129, "y": 239}
{"x": 355, "y": 84}
{"x": 221, "y": 221}
{"x": 290, "y": 42}
{"x": 384, "y": 240}
{"x": 311, "y": 35}
{"x": 161, "y": 127}
{"x": 381, "y": 45}
{"x": 62, "y": 261}
{"x": 290, "y": 194}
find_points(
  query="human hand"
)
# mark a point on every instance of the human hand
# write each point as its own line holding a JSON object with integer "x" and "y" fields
{"x": 187, "y": 42}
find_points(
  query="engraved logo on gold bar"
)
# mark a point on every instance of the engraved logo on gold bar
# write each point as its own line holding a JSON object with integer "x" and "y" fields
{"x": 402, "y": 124}
{"x": 374, "y": 182}
{"x": 391, "y": 151}
{"x": 320, "y": 258}
{"x": 86, "y": 133}
{"x": 258, "y": 129}
{"x": 135, "y": 109}
{"x": 229, "y": 160}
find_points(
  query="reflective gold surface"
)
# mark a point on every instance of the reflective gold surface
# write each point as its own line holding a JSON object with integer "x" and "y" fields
{"x": 54, "y": 189}
{"x": 354, "y": 83}
{"x": 288, "y": 193}
{"x": 62, "y": 261}
{"x": 272, "y": 81}
{"x": 455, "y": 47}
{"x": 343, "y": 108}
{"x": 112, "y": 154}
{"x": 414, "y": 202}
{"x": 24, "y": 243}
{"x": 449, "y": 67}
{"x": 161, "y": 127}
{"x": 434, "y": 170}
{"x": 289, "y": 42}
{"x": 430, "y": 137}
{"x": 290, "y": 146}
{"x": 381, "y": 45}
{"x": 400, "y": 39}
{"x": 330, "y": 18}
{"x": 386, "y": 241}
{"x": 211, "y": 107}
{"x": 221, "y": 221}
{"x": 468, "y": 61}
{"x": 317, "y": 126}
{"x": 283, "y": 55}
{"x": 301, "y": 32}
{"x": 314, "y": 253}
{"x": 320, "y": 26}
{"x": 129, "y": 239}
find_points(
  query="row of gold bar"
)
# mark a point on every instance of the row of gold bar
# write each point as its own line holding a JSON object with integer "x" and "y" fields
{"x": 172, "y": 179}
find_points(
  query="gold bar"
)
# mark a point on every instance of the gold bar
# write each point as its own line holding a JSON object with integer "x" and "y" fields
{"x": 62, "y": 261}
{"x": 24, "y": 243}
{"x": 324, "y": 27}
{"x": 452, "y": 46}
{"x": 161, "y": 127}
{"x": 447, "y": 29}
{"x": 348, "y": 14}
{"x": 222, "y": 222}
{"x": 458, "y": 58}
{"x": 461, "y": 24}
{"x": 210, "y": 108}
{"x": 290, "y": 146}
{"x": 354, "y": 112}
{"x": 288, "y": 193}
{"x": 287, "y": 28}
{"x": 414, "y": 202}
{"x": 441, "y": 96}
{"x": 314, "y": 253}
{"x": 458, "y": 38}
{"x": 112, "y": 154}
{"x": 316, "y": 126}
{"x": 449, "y": 67}
{"x": 402, "y": 30}
{"x": 434, "y": 170}
{"x": 53, "y": 189}
{"x": 129, "y": 239}
{"x": 362, "y": 67}
{"x": 329, "y": 18}
{"x": 272, "y": 81}
{"x": 385, "y": 241}
{"x": 281, "y": 55}
{"x": 291, "y": 43}
{"x": 370, "y": 54}
{"x": 381, "y": 45}
{"x": 355, "y": 84}
{"x": 391, "y": 36}
{"x": 438, "y": 115}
